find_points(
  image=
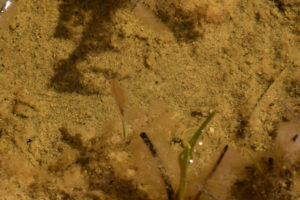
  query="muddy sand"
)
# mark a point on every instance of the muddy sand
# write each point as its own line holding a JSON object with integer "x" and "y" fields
{"x": 61, "y": 134}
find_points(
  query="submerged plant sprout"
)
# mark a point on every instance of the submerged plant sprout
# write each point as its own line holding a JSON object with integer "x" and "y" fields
{"x": 67, "y": 130}
{"x": 185, "y": 159}
{"x": 231, "y": 169}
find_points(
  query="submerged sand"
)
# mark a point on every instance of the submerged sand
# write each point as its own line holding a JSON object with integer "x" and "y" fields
{"x": 177, "y": 61}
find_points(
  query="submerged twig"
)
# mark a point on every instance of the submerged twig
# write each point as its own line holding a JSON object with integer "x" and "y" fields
{"x": 256, "y": 162}
{"x": 161, "y": 168}
{"x": 204, "y": 191}
{"x": 221, "y": 156}
{"x": 216, "y": 165}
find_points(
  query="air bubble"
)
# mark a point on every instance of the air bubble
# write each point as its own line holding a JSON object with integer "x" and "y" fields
{"x": 8, "y": 12}
{"x": 6, "y": 5}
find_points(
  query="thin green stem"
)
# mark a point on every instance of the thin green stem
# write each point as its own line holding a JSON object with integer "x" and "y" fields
{"x": 184, "y": 159}
{"x": 185, "y": 156}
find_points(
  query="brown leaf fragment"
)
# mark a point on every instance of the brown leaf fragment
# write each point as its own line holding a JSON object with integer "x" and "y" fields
{"x": 119, "y": 96}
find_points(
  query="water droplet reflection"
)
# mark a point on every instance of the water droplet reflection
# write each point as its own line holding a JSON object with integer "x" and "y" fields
{"x": 8, "y": 12}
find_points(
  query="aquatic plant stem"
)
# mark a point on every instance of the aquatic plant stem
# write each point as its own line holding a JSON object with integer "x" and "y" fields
{"x": 185, "y": 157}
{"x": 125, "y": 128}
{"x": 198, "y": 133}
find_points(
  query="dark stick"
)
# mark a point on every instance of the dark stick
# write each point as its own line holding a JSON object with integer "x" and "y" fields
{"x": 161, "y": 168}
{"x": 214, "y": 169}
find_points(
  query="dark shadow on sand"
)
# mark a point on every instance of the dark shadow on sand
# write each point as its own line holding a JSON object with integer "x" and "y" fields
{"x": 95, "y": 18}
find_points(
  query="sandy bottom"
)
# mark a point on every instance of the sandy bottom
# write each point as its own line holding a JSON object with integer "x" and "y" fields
{"x": 61, "y": 133}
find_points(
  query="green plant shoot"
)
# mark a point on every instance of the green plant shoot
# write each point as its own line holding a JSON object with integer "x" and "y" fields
{"x": 185, "y": 156}
{"x": 125, "y": 128}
